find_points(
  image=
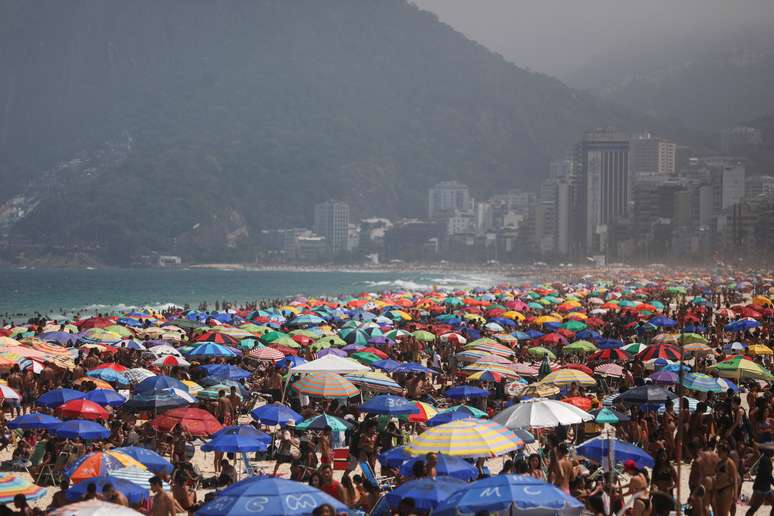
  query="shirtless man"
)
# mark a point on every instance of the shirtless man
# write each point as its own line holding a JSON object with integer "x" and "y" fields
{"x": 163, "y": 503}
{"x": 15, "y": 382}
{"x": 112, "y": 495}
{"x": 561, "y": 468}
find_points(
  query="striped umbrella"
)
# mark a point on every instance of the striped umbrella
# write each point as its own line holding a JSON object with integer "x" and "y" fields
{"x": 740, "y": 368}
{"x": 268, "y": 354}
{"x": 664, "y": 351}
{"x": 610, "y": 355}
{"x": 426, "y": 412}
{"x": 466, "y": 438}
{"x": 375, "y": 381}
{"x": 137, "y": 374}
{"x": 325, "y": 385}
{"x": 702, "y": 383}
{"x": 7, "y": 393}
{"x": 567, "y": 377}
{"x": 613, "y": 370}
{"x": 12, "y": 484}
{"x": 100, "y": 463}
{"x": 494, "y": 368}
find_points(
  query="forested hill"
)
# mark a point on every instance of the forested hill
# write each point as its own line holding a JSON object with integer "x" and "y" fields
{"x": 136, "y": 124}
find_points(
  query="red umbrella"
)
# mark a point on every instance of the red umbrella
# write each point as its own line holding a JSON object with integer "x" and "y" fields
{"x": 609, "y": 355}
{"x": 579, "y": 367}
{"x": 218, "y": 338}
{"x": 82, "y": 409}
{"x": 303, "y": 339}
{"x": 197, "y": 422}
{"x": 664, "y": 351}
{"x": 378, "y": 352}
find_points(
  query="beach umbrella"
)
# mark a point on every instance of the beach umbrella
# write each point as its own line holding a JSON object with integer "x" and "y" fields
{"x": 413, "y": 367}
{"x": 487, "y": 375}
{"x": 269, "y": 496}
{"x": 581, "y": 402}
{"x": 759, "y": 349}
{"x": 740, "y": 368}
{"x": 365, "y": 358}
{"x": 159, "y": 400}
{"x": 228, "y": 371}
{"x": 609, "y": 344}
{"x": 540, "y": 352}
{"x": 288, "y": 362}
{"x": 325, "y": 385}
{"x": 238, "y": 439}
{"x": 634, "y": 348}
{"x": 562, "y": 377}
{"x": 541, "y": 413}
{"x": 58, "y": 397}
{"x": 156, "y": 383}
{"x": 137, "y": 375}
{"x": 466, "y": 438}
{"x": 275, "y": 414}
{"x": 267, "y": 354}
{"x": 647, "y": 394}
{"x": 664, "y": 351}
{"x": 12, "y": 484}
{"x": 612, "y": 370}
{"x": 427, "y": 493}
{"x": 197, "y": 422}
{"x": 94, "y": 507}
{"x": 532, "y": 390}
{"x": 665, "y": 378}
{"x": 453, "y": 415}
{"x": 579, "y": 346}
{"x": 148, "y": 458}
{"x": 394, "y": 457}
{"x": 169, "y": 361}
{"x": 105, "y": 397}
{"x": 510, "y": 494}
{"x": 610, "y": 355}
{"x": 109, "y": 375}
{"x": 608, "y": 415}
{"x": 134, "y": 493}
{"x": 742, "y": 325}
{"x": 389, "y": 404}
{"x": 466, "y": 391}
{"x": 324, "y": 420}
{"x": 34, "y": 421}
{"x": 375, "y": 381}
{"x": 7, "y": 393}
{"x": 702, "y": 383}
{"x": 455, "y": 467}
{"x": 83, "y": 409}
{"x": 426, "y": 412}
{"x": 99, "y": 463}
{"x": 211, "y": 349}
{"x": 598, "y": 449}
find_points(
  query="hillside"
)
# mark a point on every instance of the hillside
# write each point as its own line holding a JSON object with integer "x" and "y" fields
{"x": 188, "y": 125}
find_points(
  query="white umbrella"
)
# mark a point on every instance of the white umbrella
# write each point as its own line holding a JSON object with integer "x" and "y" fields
{"x": 331, "y": 364}
{"x": 137, "y": 374}
{"x": 94, "y": 508}
{"x": 165, "y": 349}
{"x": 541, "y": 413}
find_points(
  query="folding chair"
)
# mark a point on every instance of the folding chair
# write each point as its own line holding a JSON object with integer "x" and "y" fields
{"x": 383, "y": 483}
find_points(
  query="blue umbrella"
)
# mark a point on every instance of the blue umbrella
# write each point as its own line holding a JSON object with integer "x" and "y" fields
{"x": 157, "y": 400}
{"x": 130, "y": 344}
{"x": 451, "y": 415}
{"x": 290, "y": 361}
{"x": 105, "y": 397}
{"x": 466, "y": 391}
{"x": 521, "y": 335}
{"x": 394, "y": 457}
{"x": 148, "y": 458}
{"x": 306, "y": 319}
{"x": 211, "y": 349}
{"x": 59, "y": 397}
{"x": 510, "y": 494}
{"x": 33, "y": 421}
{"x": 322, "y": 421}
{"x": 108, "y": 375}
{"x": 386, "y": 365}
{"x": 60, "y": 337}
{"x": 268, "y": 496}
{"x": 413, "y": 367}
{"x": 238, "y": 439}
{"x": 609, "y": 344}
{"x": 276, "y": 414}
{"x": 82, "y": 429}
{"x": 663, "y": 321}
{"x": 228, "y": 371}
{"x": 447, "y": 466}
{"x": 427, "y": 493}
{"x": 134, "y": 493}
{"x": 742, "y": 325}
{"x": 598, "y": 449}
{"x": 155, "y": 383}
{"x": 389, "y": 404}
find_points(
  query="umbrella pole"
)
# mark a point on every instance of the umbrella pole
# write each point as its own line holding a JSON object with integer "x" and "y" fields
{"x": 611, "y": 464}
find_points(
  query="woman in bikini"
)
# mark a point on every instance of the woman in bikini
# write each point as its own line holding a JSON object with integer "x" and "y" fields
{"x": 726, "y": 479}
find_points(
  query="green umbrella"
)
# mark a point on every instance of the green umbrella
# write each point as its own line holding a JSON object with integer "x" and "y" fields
{"x": 580, "y": 346}
{"x": 323, "y": 420}
{"x": 396, "y": 334}
{"x": 250, "y": 344}
{"x": 634, "y": 348}
{"x": 476, "y": 412}
{"x": 366, "y": 358}
{"x": 540, "y": 352}
{"x": 607, "y": 415}
{"x": 327, "y": 342}
{"x": 423, "y": 336}
{"x": 574, "y": 326}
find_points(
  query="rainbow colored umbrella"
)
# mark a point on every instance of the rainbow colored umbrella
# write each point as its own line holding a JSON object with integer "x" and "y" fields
{"x": 466, "y": 438}
{"x": 741, "y": 369}
{"x": 12, "y": 484}
{"x": 325, "y": 385}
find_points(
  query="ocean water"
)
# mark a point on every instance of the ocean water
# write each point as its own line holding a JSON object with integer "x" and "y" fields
{"x": 60, "y": 292}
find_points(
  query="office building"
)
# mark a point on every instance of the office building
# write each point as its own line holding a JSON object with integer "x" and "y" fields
{"x": 602, "y": 161}
{"x": 331, "y": 221}
{"x": 446, "y": 198}
{"x": 650, "y": 155}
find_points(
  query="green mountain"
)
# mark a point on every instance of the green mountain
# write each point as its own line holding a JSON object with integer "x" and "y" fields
{"x": 190, "y": 125}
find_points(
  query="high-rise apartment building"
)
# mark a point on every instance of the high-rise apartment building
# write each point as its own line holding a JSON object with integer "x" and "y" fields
{"x": 331, "y": 220}
{"x": 650, "y": 155}
{"x": 446, "y": 198}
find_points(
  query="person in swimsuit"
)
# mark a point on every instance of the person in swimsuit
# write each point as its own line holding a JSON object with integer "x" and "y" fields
{"x": 726, "y": 478}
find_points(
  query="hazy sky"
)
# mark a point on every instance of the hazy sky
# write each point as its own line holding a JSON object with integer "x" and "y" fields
{"x": 558, "y": 36}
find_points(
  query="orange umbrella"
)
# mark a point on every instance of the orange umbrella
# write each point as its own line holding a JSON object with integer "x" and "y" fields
{"x": 579, "y": 401}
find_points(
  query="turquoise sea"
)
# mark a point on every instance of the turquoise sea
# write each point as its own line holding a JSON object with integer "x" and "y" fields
{"x": 58, "y": 292}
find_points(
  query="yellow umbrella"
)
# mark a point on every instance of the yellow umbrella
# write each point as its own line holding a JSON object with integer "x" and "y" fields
{"x": 533, "y": 390}
{"x": 547, "y": 318}
{"x": 569, "y": 376}
{"x": 466, "y": 438}
{"x": 514, "y": 315}
{"x": 762, "y": 300}
{"x": 760, "y": 349}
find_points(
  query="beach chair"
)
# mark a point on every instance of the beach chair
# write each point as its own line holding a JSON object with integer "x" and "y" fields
{"x": 383, "y": 483}
{"x": 340, "y": 459}
{"x": 36, "y": 457}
